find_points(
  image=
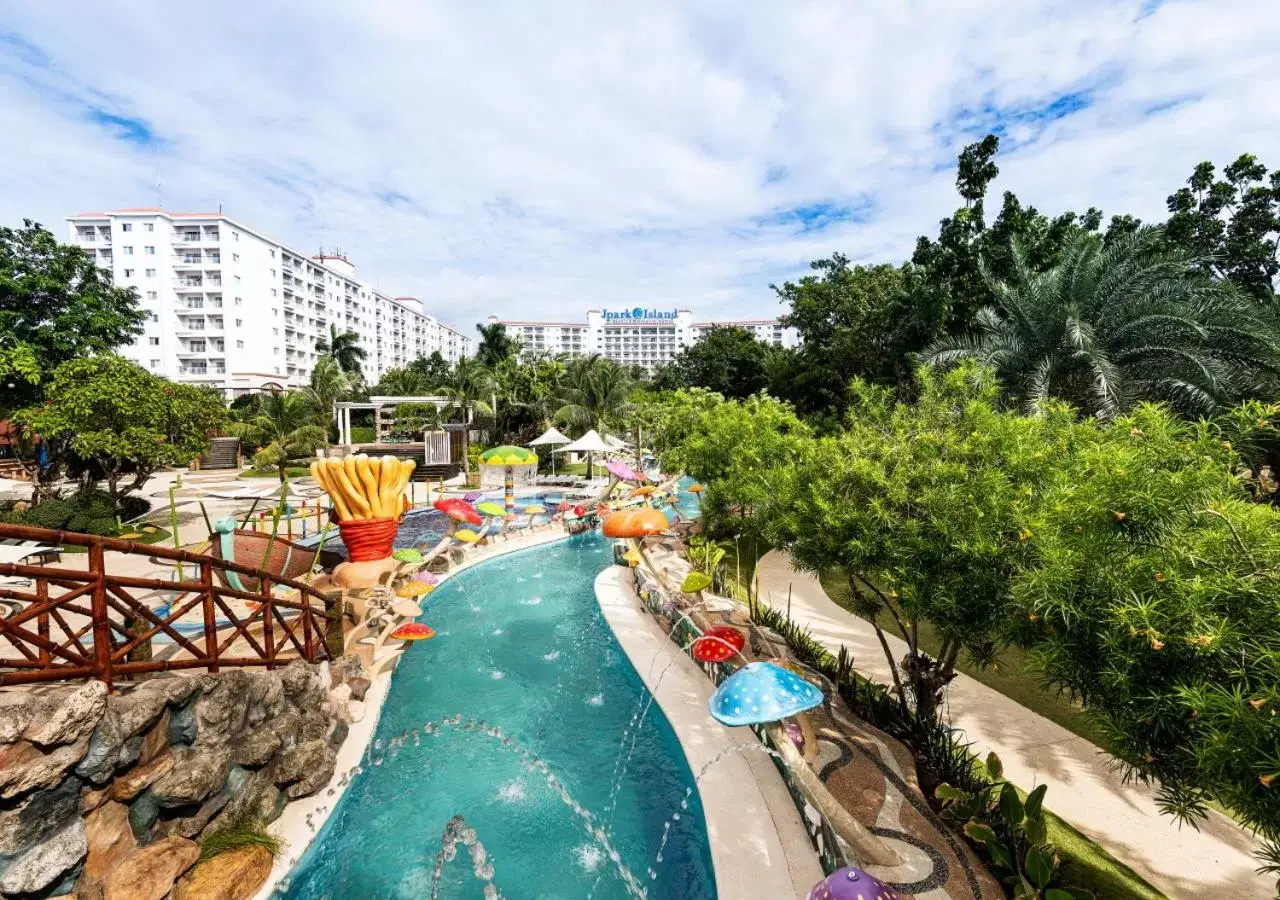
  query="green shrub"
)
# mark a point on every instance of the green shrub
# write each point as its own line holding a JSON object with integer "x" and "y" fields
{"x": 53, "y": 513}
{"x": 361, "y": 434}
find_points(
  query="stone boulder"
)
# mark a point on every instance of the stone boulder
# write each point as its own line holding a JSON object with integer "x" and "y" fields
{"x": 99, "y": 763}
{"x": 257, "y": 748}
{"x": 73, "y": 715}
{"x": 196, "y": 774}
{"x": 149, "y": 873}
{"x": 344, "y": 669}
{"x": 266, "y": 697}
{"x": 17, "y": 709}
{"x": 137, "y": 779}
{"x": 306, "y": 768}
{"x": 336, "y": 703}
{"x": 110, "y": 840}
{"x": 231, "y": 875}
{"x": 38, "y": 817}
{"x": 24, "y": 767}
{"x": 222, "y": 710}
{"x": 43, "y": 865}
{"x": 302, "y": 685}
{"x": 359, "y": 687}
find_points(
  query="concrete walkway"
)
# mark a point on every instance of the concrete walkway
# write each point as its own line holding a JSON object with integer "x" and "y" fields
{"x": 759, "y": 845}
{"x": 1214, "y": 861}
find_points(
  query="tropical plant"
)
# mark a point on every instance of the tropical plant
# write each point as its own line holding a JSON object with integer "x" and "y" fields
{"x": 118, "y": 422}
{"x": 594, "y": 393}
{"x": 329, "y": 384}
{"x": 344, "y": 347}
{"x": 1151, "y": 592}
{"x": 403, "y": 381}
{"x": 285, "y": 428}
{"x": 244, "y": 830}
{"x": 471, "y": 388}
{"x": 1011, "y": 830}
{"x": 495, "y": 344}
{"x": 1110, "y": 326}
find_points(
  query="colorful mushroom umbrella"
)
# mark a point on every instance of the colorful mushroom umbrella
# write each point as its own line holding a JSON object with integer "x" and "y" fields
{"x": 848, "y": 883}
{"x": 634, "y": 524}
{"x": 643, "y": 491}
{"x": 762, "y": 692}
{"x": 533, "y": 510}
{"x": 413, "y": 631}
{"x": 407, "y": 555}
{"x": 489, "y": 508}
{"x": 414, "y": 588}
{"x": 458, "y": 510}
{"x": 620, "y": 470}
{"x": 508, "y": 455}
{"x": 472, "y": 496}
{"x": 717, "y": 644}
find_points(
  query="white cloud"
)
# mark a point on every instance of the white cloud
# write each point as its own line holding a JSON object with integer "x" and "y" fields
{"x": 518, "y": 158}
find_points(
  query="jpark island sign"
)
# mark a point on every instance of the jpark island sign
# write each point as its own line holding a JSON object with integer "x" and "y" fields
{"x": 639, "y": 314}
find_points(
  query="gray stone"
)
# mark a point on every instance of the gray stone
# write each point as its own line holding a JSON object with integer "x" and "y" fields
{"x": 23, "y": 767}
{"x": 45, "y": 863}
{"x": 287, "y": 726}
{"x": 222, "y": 711}
{"x": 306, "y": 768}
{"x": 256, "y": 797}
{"x": 74, "y": 715}
{"x": 302, "y": 685}
{"x": 257, "y": 747}
{"x": 266, "y": 697}
{"x": 314, "y": 727}
{"x": 17, "y": 709}
{"x": 343, "y": 669}
{"x": 182, "y": 726}
{"x": 141, "y": 707}
{"x": 359, "y": 687}
{"x": 338, "y": 734}
{"x": 143, "y": 812}
{"x": 130, "y": 751}
{"x": 104, "y": 749}
{"x": 197, "y": 773}
{"x": 38, "y": 817}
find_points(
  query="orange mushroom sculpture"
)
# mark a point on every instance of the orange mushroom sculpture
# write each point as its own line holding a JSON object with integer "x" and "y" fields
{"x": 634, "y": 524}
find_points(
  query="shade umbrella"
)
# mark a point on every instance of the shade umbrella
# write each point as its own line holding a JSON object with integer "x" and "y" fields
{"x": 550, "y": 438}
{"x": 589, "y": 443}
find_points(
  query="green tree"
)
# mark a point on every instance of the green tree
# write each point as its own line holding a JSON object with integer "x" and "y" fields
{"x": 121, "y": 420}
{"x": 726, "y": 359}
{"x": 495, "y": 344}
{"x": 1151, "y": 592}
{"x": 1108, "y": 327}
{"x": 1230, "y": 224}
{"x": 594, "y": 393}
{"x": 344, "y": 347}
{"x": 402, "y": 381}
{"x": 924, "y": 507}
{"x": 55, "y": 301}
{"x": 434, "y": 369}
{"x": 471, "y": 388}
{"x": 284, "y": 429}
{"x": 329, "y": 384}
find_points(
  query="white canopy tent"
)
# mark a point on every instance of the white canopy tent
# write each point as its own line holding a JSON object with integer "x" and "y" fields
{"x": 589, "y": 443}
{"x": 548, "y": 438}
{"x": 616, "y": 443}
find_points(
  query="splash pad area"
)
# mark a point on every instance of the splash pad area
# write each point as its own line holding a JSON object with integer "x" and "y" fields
{"x": 520, "y": 755}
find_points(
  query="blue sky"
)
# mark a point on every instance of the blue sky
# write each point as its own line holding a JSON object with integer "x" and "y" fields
{"x": 539, "y": 159}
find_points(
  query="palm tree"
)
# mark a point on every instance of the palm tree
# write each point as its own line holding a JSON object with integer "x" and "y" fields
{"x": 1112, "y": 326}
{"x": 345, "y": 348}
{"x": 285, "y": 428}
{"x": 401, "y": 382}
{"x": 495, "y": 344}
{"x": 471, "y": 387}
{"x": 329, "y": 384}
{"x": 593, "y": 393}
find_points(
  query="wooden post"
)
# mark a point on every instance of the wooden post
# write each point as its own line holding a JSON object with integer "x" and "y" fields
{"x": 42, "y": 594}
{"x": 334, "y": 638}
{"x": 101, "y": 624}
{"x": 308, "y": 650}
{"x": 268, "y": 635}
{"x": 210, "y": 620}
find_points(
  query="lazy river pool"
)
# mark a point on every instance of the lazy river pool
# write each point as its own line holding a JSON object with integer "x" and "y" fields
{"x": 524, "y": 717}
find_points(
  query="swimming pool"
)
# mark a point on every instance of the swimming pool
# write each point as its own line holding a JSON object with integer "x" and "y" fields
{"x": 424, "y": 526}
{"x": 521, "y": 646}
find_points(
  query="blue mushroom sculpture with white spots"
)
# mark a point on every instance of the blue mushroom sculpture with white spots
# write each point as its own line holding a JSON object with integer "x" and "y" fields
{"x": 762, "y": 692}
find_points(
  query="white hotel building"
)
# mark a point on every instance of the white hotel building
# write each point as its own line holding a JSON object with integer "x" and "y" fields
{"x": 234, "y": 309}
{"x": 639, "y": 337}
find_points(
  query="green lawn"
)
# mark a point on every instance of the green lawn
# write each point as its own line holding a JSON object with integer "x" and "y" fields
{"x": 1086, "y": 865}
{"x": 1011, "y": 674}
{"x": 291, "y": 472}
{"x": 155, "y": 535}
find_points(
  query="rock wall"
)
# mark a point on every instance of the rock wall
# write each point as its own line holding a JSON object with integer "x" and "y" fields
{"x": 107, "y": 795}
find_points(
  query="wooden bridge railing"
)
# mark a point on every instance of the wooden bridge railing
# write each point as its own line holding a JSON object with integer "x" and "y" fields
{"x": 72, "y": 623}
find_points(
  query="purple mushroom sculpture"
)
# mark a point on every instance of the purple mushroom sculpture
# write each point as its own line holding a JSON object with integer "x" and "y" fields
{"x": 849, "y": 883}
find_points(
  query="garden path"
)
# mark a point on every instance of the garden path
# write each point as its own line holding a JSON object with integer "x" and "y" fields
{"x": 1083, "y": 789}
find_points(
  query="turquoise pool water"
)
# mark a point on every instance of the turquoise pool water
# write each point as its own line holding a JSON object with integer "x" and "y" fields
{"x": 522, "y": 646}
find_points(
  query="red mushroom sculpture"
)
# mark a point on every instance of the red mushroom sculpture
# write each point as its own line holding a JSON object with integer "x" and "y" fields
{"x": 413, "y": 631}
{"x": 458, "y": 510}
{"x": 718, "y": 644}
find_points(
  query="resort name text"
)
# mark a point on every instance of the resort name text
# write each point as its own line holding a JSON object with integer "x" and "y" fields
{"x": 613, "y": 315}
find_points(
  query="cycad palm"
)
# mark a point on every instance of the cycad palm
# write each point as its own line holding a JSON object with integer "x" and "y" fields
{"x": 1112, "y": 326}
{"x": 285, "y": 427}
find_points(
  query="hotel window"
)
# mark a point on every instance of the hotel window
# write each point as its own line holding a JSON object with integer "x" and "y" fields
{"x": 152, "y": 295}
{"x": 239, "y": 345}
{"x": 128, "y": 251}
{"x": 149, "y": 226}
{"x": 151, "y": 273}
{"x": 155, "y": 363}
{"x": 128, "y": 273}
{"x": 149, "y": 251}
{"x": 126, "y": 227}
{"x": 154, "y": 342}
{"x": 239, "y": 323}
